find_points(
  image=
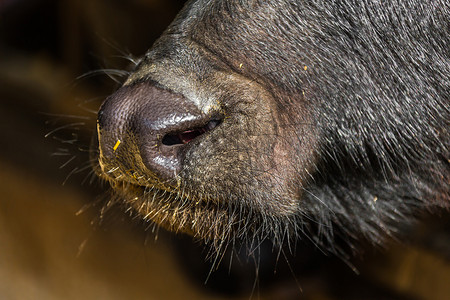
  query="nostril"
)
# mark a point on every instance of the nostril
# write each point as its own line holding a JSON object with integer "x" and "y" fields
{"x": 184, "y": 137}
{"x": 171, "y": 139}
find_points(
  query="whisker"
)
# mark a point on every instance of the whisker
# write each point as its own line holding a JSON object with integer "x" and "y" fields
{"x": 64, "y": 127}
{"x": 64, "y": 116}
{"x": 69, "y": 175}
{"x": 67, "y": 162}
{"x": 108, "y": 72}
{"x": 128, "y": 57}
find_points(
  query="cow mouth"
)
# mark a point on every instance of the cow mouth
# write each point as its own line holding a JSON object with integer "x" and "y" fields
{"x": 175, "y": 211}
{"x": 163, "y": 204}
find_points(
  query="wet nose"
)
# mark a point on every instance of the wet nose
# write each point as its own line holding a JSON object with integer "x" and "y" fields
{"x": 143, "y": 128}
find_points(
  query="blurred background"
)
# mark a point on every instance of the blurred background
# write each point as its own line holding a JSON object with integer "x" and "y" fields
{"x": 58, "y": 60}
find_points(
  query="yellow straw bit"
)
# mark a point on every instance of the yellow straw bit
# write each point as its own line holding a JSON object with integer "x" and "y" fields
{"x": 116, "y": 145}
{"x": 240, "y": 66}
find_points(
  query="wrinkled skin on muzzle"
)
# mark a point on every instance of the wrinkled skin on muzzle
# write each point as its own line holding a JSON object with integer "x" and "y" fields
{"x": 277, "y": 119}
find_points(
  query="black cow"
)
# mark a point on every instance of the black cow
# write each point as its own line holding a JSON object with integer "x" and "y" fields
{"x": 278, "y": 119}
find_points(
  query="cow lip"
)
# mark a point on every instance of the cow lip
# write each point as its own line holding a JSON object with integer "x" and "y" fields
{"x": 170, "y": 195}
{"x": 170, "y": 210}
